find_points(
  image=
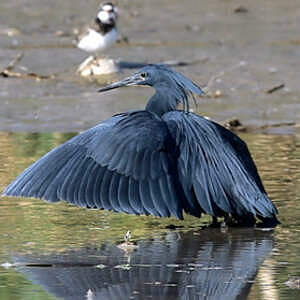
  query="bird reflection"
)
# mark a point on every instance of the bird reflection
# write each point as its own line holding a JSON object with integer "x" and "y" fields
{"x": 195, "y": 265}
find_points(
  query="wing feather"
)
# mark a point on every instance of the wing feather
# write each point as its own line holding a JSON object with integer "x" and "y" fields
{"x": 42, "y": 180}
{"x": 125, "y": 164}
{"x": 73, "y": 181}
{"x": 217, "y": 165}
{"x": 96, "y": 198}
{"x": 91, "y": 183}
{"x": 51, "y": 187}
{"x": 158, "y": 200}
{"x": 133, "y": 196}
{"x": 114, "y": 193}
{"x": 144, "y": 192}
{"x": 172, "y": 200}
{"x": 104, "y": 199}
{"x": 123, "y": 196}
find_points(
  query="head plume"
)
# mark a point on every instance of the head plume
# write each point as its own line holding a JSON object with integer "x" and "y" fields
{"x": 171, "y": 87}
{"x": 181, "y": 87}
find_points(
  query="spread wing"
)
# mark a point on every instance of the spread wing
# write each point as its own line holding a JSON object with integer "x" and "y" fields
{"x": 121, "y": 165}
{"x": 216, "y": 170}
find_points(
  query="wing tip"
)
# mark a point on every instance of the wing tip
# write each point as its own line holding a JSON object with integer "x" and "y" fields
{"x": 268, "y": 222}
{"x": 8, "y": 192}
{"x": 4, "y": 194}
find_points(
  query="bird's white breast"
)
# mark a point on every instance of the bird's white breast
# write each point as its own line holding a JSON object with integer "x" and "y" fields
{"x": 94, "y": 41}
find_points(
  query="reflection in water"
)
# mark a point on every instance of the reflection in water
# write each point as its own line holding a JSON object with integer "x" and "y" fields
{"x": 33, "y": 225}
{"x": 207, "y": 264}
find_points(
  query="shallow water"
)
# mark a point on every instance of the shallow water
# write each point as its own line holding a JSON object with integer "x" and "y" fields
{"x": 63, "y": 251}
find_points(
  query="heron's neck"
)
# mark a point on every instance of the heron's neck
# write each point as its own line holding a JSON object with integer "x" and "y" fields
{"x": 162, "y": 101}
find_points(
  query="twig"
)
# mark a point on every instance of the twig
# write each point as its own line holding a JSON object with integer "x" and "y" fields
{"x": 275, "y": 88}
{"x": 236, "y": 125}
{"x": 277, "y": 125}
{"x": 13, "y": 63}
{"x": 9, "y": 72}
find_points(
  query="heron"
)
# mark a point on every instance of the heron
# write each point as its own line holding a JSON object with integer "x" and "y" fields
{"x": 161, "y": 161}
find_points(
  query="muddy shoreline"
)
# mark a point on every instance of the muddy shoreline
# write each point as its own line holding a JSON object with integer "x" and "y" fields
{"x": 256, "y": 47}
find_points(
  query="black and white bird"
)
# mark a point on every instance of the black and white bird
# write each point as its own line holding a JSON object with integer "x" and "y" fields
{"x": 103, "y": 33}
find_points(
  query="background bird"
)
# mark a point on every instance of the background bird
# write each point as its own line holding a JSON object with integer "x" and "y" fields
{"x": 159, "y": 161}
{"x": 100, "y": 35}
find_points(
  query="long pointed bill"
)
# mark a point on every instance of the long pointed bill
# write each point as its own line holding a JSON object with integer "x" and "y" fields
{"x": 133, "y": 80}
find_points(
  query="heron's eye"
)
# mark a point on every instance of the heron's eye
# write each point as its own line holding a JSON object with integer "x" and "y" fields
{"x": 144, "y": 75}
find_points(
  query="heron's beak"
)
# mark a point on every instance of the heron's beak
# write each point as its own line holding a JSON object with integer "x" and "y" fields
{"x": 132, "y": 80}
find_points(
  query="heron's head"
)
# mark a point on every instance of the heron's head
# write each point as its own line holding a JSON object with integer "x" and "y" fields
{"x": 172, "y": 88}
{"x": 159, "y": 77}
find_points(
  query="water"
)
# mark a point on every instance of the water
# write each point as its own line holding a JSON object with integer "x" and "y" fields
{"x": 62, "y": 251}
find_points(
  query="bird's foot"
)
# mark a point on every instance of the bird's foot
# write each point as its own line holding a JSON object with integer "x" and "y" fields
{"x": 230, "y": 221}
{"x": 215, "y": 223}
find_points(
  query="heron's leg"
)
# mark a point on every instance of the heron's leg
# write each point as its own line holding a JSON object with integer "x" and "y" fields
{"x": 243, "y": 221}
{"x": 229, "y": 221}
{"x": 215, "y": 223}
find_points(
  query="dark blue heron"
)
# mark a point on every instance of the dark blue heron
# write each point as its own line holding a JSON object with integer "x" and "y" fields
{"x": 159, "y": 161}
